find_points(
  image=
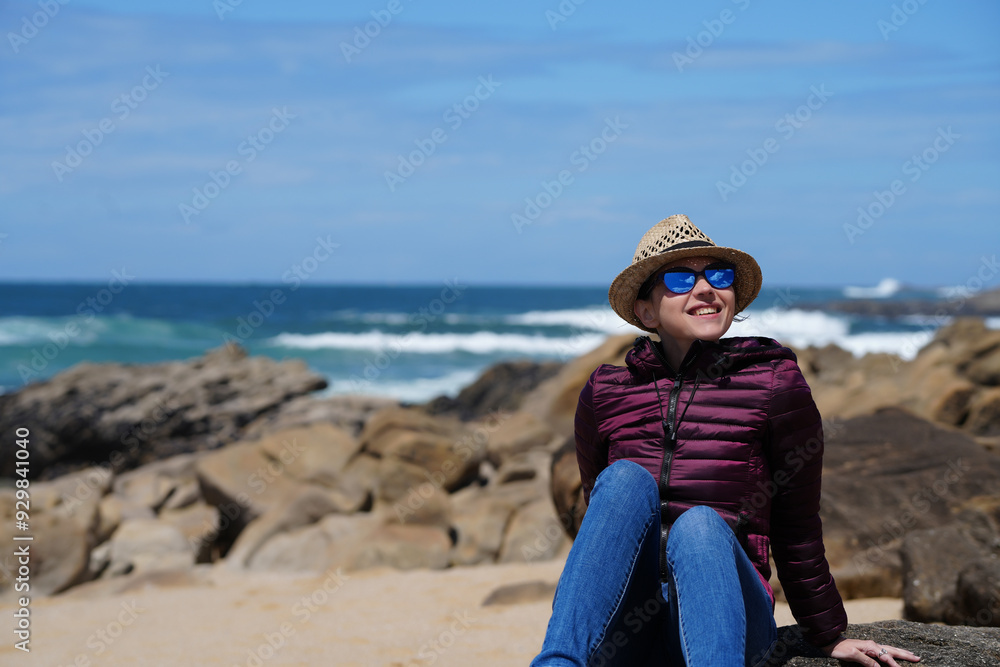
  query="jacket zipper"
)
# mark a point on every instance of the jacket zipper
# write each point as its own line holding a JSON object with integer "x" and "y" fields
{"x": 669, "y": 445}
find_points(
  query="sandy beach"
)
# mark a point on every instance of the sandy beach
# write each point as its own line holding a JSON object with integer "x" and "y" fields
{"x": 373, "y": 617}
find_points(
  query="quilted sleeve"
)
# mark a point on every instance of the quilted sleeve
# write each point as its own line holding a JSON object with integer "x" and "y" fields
{"x": 591, "y": 449}
{"x": 796, "y": 458}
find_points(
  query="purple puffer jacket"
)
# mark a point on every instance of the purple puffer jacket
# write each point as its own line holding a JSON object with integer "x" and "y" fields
{"x": 735, "y": 429}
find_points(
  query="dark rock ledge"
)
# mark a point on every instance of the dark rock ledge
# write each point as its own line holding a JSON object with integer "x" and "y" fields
{"x": 937, "y": 645}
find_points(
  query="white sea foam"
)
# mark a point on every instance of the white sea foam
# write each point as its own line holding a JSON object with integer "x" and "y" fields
{"x": 480, "y": 342}
{"x": 35, "y": 330}
{"x": 584, "y": 319}
{"x": 417, "y": 390}
{"x": 904, "y": 345}
{"x": 799, "y": 328}
{"x": 886, "y": 288}
{"x": 993, "y": 322}
{"x": 804, "y": 328}
{"x": 384, "y": 318}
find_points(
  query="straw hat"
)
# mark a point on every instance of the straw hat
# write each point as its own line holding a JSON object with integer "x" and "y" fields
{"x": 671, "y": 239}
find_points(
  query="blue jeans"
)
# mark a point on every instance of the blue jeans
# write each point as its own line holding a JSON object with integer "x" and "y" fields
{"x": 611, "y": 609}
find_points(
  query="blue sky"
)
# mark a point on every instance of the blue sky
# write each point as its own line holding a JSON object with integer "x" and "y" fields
{"x": 769, "y": 124}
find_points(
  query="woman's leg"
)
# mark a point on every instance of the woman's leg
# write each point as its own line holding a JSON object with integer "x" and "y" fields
{"x": 607, "y": 595}
{"x": 724, "y": 612}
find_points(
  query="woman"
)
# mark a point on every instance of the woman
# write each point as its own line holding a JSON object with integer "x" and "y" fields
{"x": 695, "y": 459}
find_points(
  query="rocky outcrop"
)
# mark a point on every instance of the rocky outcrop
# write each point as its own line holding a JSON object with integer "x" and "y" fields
{"x": 887, "y": 475}
{"x": 554, "y": 401}
{"x": 967, "y": 304}
{"x": 64, "y": 520}
{"x": 502, "y": 386}
{"x": 307, "y": 484}
{"x": 941, "y": 646}
{"x": 951, "y": 574}
{"x": 129, "y": 415}
{"x": 953, "y": 380}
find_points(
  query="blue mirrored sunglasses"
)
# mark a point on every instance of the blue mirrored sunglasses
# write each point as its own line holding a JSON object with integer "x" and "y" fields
{"x": 681, "y": 280}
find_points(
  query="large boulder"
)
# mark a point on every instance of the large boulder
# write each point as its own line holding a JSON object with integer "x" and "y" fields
{"x": 977, "y": 594}
{"x": 554, "y": 400}
{"x": 934, "y": 644}
{"x": 535, "y": 533}
{"x": 247, "y": 479}
{"x": 518, "y": 433}
{"x": 482, "y": 515}
{"x": 348, "y": 412}
{"x": 886, "y": 475}
{"x": 130, "y": 415}
{"x": 147, "y": 545}
{"x": 502, "y": 386}
{"x": 404, "y": 547}
{"x": 415, "y": 448}
{"x": 952, "y": 380}
{"x": 64, "y": 520}
{"x": 307, "y": 506}
{"x": 567, "y": 487}
{"x": 932, "y": 562}
{"x": 331, "y": 542}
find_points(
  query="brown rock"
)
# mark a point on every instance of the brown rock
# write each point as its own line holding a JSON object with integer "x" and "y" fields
{"x": 554, "y": 401}
{"x": 423, "y": 504}
{"x": 977, "y": 595}
{"x": 145, "y": 545}
{"x": 386, "y": 421}
{"x": 358, "y": 482}
{"x": 314, "y": 454}
{"x": 951, "y": 405}
{"x": 931, "y": 560}
{"x": 936, "y": 645}
{"x": 331, "y": 542}
{"x": 229, "y": 476}
{"x": 398, "y": 479}
{"x": 528, "y": 591}
{"x": 63, "y": 520}
{"x": 446, "y": 461}
{"x": 480, "y": 519}
{"x": 567, "y": 487}
{"x": 985, "y": 368}
{"x": 348, "y": 412}
{"x": 526, "y": 466}
{"x": 534, "y": 534}
{"x": 185, "y": 494}
{"x": 113, "y": 510}
{"x": 307, "y": 506}
{"x": 199, "y": 524}
{"x": 131, "y": 415}
{"x": 249, "y": 478}
{"x": 502, "y": 387}
{"x": 520, "y": 432}
{"x": 153, "y": 484}
{"x": 827, "y": 364}
{"x": 404, "y": 548}
{"x": 984, "y": 413}
{"x": 886, "y": 475}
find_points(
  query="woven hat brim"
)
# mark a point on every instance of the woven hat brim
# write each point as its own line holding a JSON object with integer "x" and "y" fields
{"x": 625, "y": 287}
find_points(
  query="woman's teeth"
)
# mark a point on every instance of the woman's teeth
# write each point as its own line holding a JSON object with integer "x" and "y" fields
{"x": 706, "y": 311}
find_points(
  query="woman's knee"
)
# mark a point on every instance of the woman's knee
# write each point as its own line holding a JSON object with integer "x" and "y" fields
{"x": 700, "y": 522}
{"x": 628, "y": 478}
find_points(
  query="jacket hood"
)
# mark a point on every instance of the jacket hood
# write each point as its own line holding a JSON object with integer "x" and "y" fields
{"x": 726, "y": 355}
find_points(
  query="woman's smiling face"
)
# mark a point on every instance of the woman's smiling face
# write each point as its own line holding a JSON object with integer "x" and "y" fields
{"x": 704, "y": 313}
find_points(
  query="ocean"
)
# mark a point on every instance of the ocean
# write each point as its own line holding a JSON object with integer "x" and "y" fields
{"x": 408, "y": 342}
